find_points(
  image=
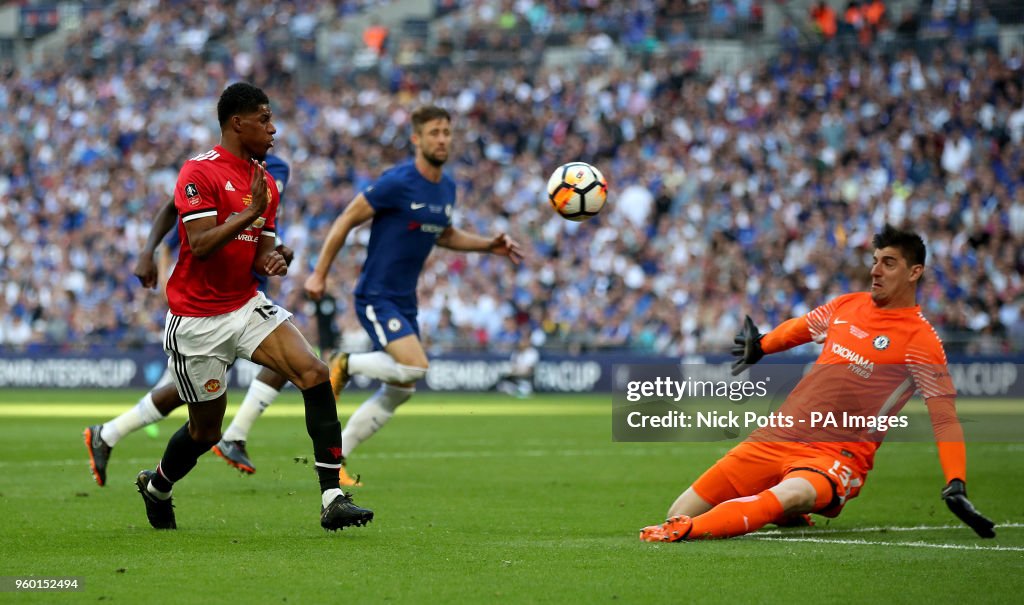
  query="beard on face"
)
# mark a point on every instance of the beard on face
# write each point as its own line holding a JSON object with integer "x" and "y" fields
{"x": 435, "y": 159}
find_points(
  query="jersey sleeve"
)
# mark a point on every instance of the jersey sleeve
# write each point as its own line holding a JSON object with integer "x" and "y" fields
{"x": 385, "y": 193}
{"x": 801, "y": 330}
{"x": 788, "y": 334}
{"x": 193, "y": 196}
{"x": 926, "y": 360}
{"x": 949, "y": 437}
{"x": 820, "y": 318}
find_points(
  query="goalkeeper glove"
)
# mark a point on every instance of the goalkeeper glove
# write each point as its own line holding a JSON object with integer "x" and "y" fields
{"x": 955, "y": 495}
{"x": 747, "y": 348}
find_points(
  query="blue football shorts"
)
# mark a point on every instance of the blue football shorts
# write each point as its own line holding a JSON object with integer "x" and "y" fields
{"x": 385, "y": 321}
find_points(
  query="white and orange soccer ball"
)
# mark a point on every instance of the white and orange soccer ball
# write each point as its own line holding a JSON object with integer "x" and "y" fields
{"x": 577, "y": 191}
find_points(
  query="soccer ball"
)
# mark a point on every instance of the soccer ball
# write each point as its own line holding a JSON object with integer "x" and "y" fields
{"x": 577, "y": 191}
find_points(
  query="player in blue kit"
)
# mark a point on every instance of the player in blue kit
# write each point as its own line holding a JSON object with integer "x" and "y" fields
{"x": 155, "y": 405}
{"x": 411, "y": 210}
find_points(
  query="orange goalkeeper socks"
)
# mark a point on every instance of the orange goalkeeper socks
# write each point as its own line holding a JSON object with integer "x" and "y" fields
{"x": 737, "y": 517}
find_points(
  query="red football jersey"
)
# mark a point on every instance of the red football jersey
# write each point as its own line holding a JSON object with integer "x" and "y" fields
{"x": 216, "y": 183}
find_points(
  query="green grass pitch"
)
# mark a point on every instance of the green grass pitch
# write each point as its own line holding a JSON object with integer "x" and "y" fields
{"x": 479, "y": 499}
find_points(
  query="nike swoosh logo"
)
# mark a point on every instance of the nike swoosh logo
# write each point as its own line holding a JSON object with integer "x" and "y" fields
{"x": 840, "y": 321}
{"x": 416, "y": 206}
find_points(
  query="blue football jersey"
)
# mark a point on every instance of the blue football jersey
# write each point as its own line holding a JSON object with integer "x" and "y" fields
{"x": 410, "y": 213}
{"x": 278, "y": 170}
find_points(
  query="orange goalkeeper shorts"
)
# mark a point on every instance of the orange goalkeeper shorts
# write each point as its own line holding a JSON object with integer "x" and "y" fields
{"x": 754, "y": 466}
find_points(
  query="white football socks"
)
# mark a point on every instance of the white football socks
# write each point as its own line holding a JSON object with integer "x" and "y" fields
{"x": 372, "y": 415}
{"x": 383, "y": 367}
{"x": 159, "y": 494}
{"x": 142, "y": 413}
{"x": 257, "y": 399}
{"x": 328, "y": 496}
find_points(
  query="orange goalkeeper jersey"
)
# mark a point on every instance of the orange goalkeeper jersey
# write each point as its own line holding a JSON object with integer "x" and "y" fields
{"x": 873, "y": 361}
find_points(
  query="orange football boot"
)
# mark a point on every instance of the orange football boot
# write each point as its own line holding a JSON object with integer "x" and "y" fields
{"x": 339, "y": 372}
{"x": 675, "y": 529}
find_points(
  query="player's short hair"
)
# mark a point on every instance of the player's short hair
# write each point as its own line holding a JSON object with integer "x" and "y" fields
{"x": 908, "y": 243}
{"x": 425, "y": 114}
{"x": 239, "y": 98}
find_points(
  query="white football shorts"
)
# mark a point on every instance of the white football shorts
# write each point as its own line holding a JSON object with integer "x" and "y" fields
{"x": 201, "y": 349}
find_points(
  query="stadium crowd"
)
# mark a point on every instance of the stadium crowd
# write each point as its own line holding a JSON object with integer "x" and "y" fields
{"x": 755, "y": 191}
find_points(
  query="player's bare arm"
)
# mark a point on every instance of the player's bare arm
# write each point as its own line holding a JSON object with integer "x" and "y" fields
{"x": 269, "y": 261}
{"x": 454, "y": 238}
{"x": 205, "y": 236}
{"x": 356, "y": 213}
{"x": 145, "y": 267}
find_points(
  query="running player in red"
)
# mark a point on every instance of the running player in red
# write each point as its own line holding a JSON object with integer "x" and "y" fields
{"x": 227, "y": 207}
{"x": 163, "y": 398}
{"x": 878, "y": 349}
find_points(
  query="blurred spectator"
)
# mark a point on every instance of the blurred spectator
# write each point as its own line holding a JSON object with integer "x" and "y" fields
{"x": 824, "y": 19}
{"x": 375, "y": 36}
{"x": 986, "y": 30}
{"x": 963, "y": 28}
{"x": 518, "y": 381}
{"x": 937, "y": 27}
{"x": 908, "y": 24}
{"x": 874, "y": 12}
{"x": 789, "y": 36}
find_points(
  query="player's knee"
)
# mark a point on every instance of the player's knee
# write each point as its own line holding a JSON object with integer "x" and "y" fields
{"x": 313, "y": 373}
{"x": 825, "y": 495}
{"x": 392, "y": 396}
{"x": 204, "y": 434}
{"x": 689, "y": 503}
{"x": 796, "y": 495}
{"x": 271, "y": 378}
{"x": 410, "y": 374}
{"x": 166, "y": 398}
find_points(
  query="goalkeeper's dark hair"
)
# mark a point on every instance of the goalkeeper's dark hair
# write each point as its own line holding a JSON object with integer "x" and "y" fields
{"x": 239, "y": 98}
{"x": 427, "y": 113}
{"x": 908, "y": 243}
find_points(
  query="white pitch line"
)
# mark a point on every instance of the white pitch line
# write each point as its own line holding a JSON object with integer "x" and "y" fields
{"x": 907, "y": 544}
{"x": 866, "y": 530}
